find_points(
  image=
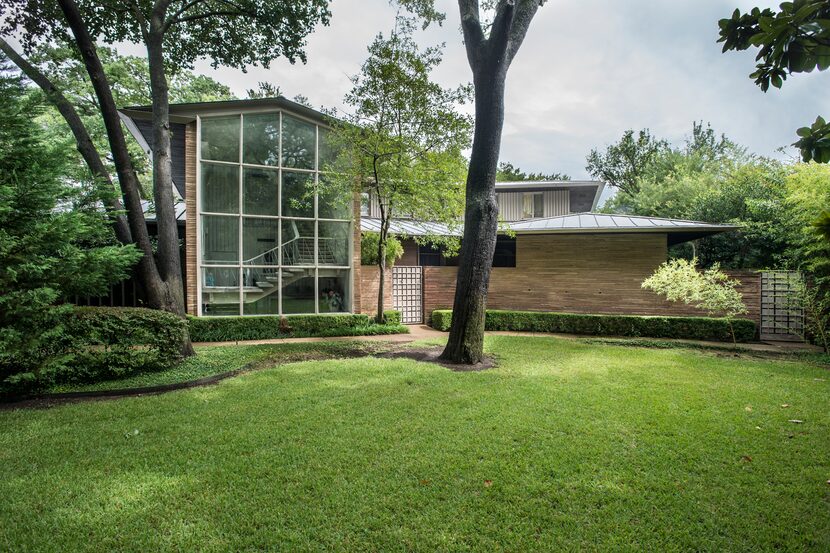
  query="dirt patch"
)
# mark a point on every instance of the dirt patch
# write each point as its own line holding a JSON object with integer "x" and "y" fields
{"x": 431, "y": 355}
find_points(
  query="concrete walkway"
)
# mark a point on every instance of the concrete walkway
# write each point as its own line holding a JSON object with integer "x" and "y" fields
{"x": 424, "y": 332}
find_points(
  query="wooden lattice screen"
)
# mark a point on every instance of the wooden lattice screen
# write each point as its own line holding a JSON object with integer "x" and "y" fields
{"x": 781, "y": 316}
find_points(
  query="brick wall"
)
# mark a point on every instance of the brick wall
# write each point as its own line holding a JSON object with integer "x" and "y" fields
{"x": 579, "y": 274}
{"x": 190, "y": 220}
{"x": 368, "y": 284}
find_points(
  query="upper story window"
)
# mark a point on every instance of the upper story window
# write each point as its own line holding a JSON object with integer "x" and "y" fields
{"x": 533, "y": 205}
{"x": 274, "y": 232}
{"x": 364, "y": 204}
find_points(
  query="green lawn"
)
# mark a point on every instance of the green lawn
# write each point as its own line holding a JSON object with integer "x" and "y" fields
{"x": 565, "y": 446}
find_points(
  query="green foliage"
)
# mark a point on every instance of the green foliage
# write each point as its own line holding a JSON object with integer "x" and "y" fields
{"x": 808, "y": 187}
{"x": 689, "y": 328}
{"x": 91, "y": 344}
{"x": 130, "y": 83}
{"x": 795, "y": 39}
{"x": 711, "y": 290}
{"x": 710, "y": 178}
{"x": 623, "y": 164}
{"x": 55, "y": 242}
{"x": 235, "y": 34}
{"x": 369, "y": 249}
{"x": 225, "y": 329}
{"x": 404, "y": 139}
{"x": 509, "y": 173}
{"x": 392, "y": 317}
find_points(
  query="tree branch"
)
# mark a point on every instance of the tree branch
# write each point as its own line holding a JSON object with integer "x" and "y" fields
{"x": 84, "y": 143}
{"x": 473, "y": 34}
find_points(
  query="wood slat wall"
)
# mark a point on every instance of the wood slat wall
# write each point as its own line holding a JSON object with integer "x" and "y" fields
{"x": 579, "y": 274}
{"x": 511, "y": 204}
{"x": 190, "y": 220}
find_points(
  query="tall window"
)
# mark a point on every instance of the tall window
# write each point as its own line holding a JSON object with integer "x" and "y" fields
{"x": 533, "y": 205}
{"x": 275, "y": 234}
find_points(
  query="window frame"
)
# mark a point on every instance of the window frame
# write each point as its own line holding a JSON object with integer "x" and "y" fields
{"x": 279, "y": 218}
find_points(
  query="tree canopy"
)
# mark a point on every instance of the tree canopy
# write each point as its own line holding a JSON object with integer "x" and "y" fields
{"x": 403, "y": 139}
{"x": 509, "y": 173}
{"x": 795, "y": 39}
{"x": 55, "y": 241}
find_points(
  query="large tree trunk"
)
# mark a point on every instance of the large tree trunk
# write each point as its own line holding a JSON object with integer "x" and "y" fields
{"x": 489, "y": 58}
{"x": 466, "y": 340}
{"x": 84, "y": 143}
{"x": 168, "y": 257}
{"x": 159, "y": 295}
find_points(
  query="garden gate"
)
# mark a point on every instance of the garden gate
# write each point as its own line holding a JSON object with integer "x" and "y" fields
{"x": 782, "y": 318}
{"x": 407, "y": 294}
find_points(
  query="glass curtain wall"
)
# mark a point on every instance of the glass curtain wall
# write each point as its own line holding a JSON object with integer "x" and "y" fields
{"x": 275, "y": 234}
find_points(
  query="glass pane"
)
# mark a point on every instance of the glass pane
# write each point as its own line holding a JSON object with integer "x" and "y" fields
{"x": 298, "y": 291}
{"x": 329, "y": 149}
{"x": 259, "y": 242}
{"x": 260, "y": 293}
{"x": 297, "y": 194}
{"x": 261, "y": 139}
{"x": 220, "y": 138}
{"x": 298, "y": 143}
{"x": 297, "y": 242}
{"x": 333, "y": 244}
{"x": 220, "y": 239}
{"x": 220, "y": 188}
{"x": 334, "y": 288}
{"x": 220, "y": 291}
{"x": 259, "y": 191}
{"x": 334, "y": 198}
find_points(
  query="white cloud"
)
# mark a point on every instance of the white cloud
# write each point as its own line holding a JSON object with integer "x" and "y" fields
{"x": 588, "y": 71}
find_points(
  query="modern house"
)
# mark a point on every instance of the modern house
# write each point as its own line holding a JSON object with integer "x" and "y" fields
{"x": 266, "y": 235}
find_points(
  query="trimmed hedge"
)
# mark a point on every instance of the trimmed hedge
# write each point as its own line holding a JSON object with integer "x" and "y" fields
{"x": 393, "y": 317}
{"x": 226, "y": 329}
{"x": 102, "y": 343}
{"x": 690, "y": 328}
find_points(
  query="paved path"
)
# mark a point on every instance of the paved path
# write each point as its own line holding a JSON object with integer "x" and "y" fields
{"x": 424, "y": 332}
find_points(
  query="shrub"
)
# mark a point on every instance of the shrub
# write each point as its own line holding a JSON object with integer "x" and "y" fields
{"x": 223, "y": 329}
{"x": 393, "y": 317}
{"x": 710, "y": 290}
{"x": 100, "y": 343}
{"x": 690, "y": 328}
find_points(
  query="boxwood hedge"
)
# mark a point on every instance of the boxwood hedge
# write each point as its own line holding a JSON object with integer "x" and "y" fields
{"x": 690, "y": 328}
{"x": 102, "y": 343}
{"x": 225, "y": 329}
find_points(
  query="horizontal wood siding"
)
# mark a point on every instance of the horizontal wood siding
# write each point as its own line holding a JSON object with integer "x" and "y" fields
{"x": 579, "y": 274}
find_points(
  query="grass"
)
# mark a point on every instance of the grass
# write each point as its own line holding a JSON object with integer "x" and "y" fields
{"x": 564, "y": 446}
{"x": 213, "y": 360}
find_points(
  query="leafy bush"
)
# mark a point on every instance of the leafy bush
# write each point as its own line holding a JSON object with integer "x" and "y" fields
{"x": 710, "y": 290}
{"x": 101, "y": 343}
{"x": 369, "y": 249}
{"x": 393, "y": 317}
{"x": 690, "y": 328}
{"x": 223, "y": 329}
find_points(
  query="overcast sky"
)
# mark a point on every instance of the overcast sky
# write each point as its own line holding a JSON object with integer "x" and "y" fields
{"x": 588, "y": 70}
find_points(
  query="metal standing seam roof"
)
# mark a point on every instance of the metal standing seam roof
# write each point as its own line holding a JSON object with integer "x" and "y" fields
{"x": 410, "y": 227}
{"x": 604, "y": 222}
{"x": 573, "y": 223}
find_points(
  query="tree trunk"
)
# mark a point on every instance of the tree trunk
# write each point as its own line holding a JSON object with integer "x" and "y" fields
{"x": 383, "y": 236}
{"x": 159, "y": 294}
{"x": 466, "y": 340}
{"x": 84, "y": 143}
{"x": 168, "y": 256}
